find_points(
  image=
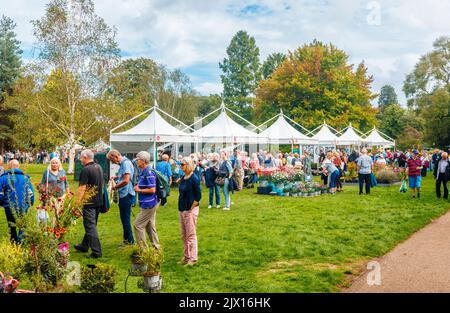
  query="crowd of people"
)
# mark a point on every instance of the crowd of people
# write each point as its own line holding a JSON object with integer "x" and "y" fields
{"x": 222, "y": 173}
{"x": 36, "y": 157}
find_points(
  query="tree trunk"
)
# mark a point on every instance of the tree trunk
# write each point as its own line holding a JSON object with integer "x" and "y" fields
{"x": 71, "y": 169}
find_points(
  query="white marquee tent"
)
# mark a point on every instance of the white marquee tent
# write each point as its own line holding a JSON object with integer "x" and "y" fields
{"x": 324, "y": 136}
{"x": 281, "y": 132}
{"x": 375, "y": 139}
{"x": 349, "y": 137}
{"x": 223, "y": 129}
{"x": 145, "y": 135}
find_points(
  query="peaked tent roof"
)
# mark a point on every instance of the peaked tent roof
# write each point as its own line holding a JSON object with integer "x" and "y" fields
{"x": 284, "y": 133}
{"x": 225, "y": 129}
{"x": 324, "y": 136}
{"x": 152, "y": 125}
{"x": 375, "y": 139}
{"x": 349, "y": 137}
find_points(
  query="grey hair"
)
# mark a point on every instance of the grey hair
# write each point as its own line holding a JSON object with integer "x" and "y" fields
{"x": 113, "y": 152}
{"x": 88, "y": 154}
{"x": 144, "y": 156}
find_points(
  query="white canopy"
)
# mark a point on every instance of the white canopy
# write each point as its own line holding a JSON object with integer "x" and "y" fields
{"x": 153, "y": 126}
{"x": 324, "y": 136}
{"x": 153, "y": 129}
{"x": 349, "y": 137}
{"x": 223, "y": 129}
{"x": 282, "y": 132}
{"x": 375, "y": 139}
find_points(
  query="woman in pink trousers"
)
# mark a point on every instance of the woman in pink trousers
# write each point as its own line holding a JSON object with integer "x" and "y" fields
{"x": 188, "y": 201}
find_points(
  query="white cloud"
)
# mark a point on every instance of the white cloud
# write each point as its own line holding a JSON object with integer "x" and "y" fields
{"x": 209, "y": 88}
{"x": 188, "y": 33}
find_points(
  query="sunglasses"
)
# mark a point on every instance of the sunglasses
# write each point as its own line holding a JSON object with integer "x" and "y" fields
{"x": 183, "y": 164}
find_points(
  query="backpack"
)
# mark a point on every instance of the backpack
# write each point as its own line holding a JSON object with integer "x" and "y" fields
{"x": 162, "y": 185}
{"x": 136, "y": 173}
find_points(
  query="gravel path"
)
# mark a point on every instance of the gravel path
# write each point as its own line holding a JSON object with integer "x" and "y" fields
{"x": 420, "y": 264}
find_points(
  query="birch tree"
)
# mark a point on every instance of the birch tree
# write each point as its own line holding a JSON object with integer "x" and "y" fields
{"x": 79, "y": 48}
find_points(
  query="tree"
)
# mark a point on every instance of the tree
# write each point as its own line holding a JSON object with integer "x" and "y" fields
{"x": 427, "y": 88}
{"x": 314, "y": 83}
{"x": 241, "y": 73}
{"x": 80, "y": 48}
{"x": 10, "y": 64}
{"x": 271, "y": 63}
{"x": 393, "y": 121}
{"x": 387, "y": 97}
{"x": 410, "y": 138}
{"x": 134, "y": 84}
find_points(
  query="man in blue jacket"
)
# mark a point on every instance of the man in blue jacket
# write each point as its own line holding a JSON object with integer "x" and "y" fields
{"x": 16, "y": 195}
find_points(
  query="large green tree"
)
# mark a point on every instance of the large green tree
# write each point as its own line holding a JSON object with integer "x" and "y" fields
{"x": 77, "y": 44}
{"x": 387, "y": 97}
{"x": 427, "y": 88}
{"x": 271, "y": 63}
{"x": 10, "y": 64}
{"x": 393, "y": 120}
{"x": 316, "y": 82}
{"x": 134, "y": 84}
{"x": 241, "y": 73}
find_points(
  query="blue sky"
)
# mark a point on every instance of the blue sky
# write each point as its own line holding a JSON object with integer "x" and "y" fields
{"x": 389, "y": 36}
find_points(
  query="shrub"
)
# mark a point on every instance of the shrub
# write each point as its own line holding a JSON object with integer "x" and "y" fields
{"x": 12, "y": 258}
{"x": 99, "y": 278}
{"x": 153, "y": 258}
{"x": 387, "y": 176}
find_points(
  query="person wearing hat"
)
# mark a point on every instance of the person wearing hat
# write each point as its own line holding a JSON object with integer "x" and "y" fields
{"x": 414, "y": 168}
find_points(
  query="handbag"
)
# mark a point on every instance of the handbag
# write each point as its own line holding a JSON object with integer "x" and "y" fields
{"x": 220, "y": 181}
{"x": 104, "y": 208}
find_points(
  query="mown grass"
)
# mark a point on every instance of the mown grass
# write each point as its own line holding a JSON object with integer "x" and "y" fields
{"x": 272, "y": 244}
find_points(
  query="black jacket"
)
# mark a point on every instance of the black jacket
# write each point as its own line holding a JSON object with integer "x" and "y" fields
{"x": 436, "y": 167}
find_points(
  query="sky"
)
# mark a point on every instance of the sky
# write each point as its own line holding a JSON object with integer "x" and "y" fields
{"x": 389, "y": 36}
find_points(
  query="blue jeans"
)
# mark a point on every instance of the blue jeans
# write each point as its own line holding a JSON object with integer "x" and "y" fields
{"x": 213, "y": 190}
{"x": 255, "y": 178}
{"x": 125, "y": 216}
{"x": 226, "y": 193}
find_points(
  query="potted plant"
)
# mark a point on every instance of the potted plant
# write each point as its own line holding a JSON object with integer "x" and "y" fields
{"x": 153, "y": 258}
{"x": 138, "y": 266}
{"x": 286, "y": 191}
{"x": 98, "y": 278}
{"x": 302, "y": 192}
{"x": 294, "y": 191}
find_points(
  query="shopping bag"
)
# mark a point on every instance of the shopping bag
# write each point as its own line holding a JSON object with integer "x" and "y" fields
{"x": 403, "y": 187}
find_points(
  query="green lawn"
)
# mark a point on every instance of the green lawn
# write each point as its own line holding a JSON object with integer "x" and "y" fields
{"x": 272, "y": 244}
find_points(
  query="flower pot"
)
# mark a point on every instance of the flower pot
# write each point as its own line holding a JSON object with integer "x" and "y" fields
{"x": 63, "y": 250}
{"x": 137, "y": 269}
{"x": 153, "y": 283}
{"x": 286, "y": 194}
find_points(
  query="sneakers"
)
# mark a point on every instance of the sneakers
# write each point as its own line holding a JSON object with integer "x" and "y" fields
{"x": 218, "y": 206}
{"x": 226, "y": 209}
{"x": 183, "y": 261}
{"x": 209, "y": 206}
